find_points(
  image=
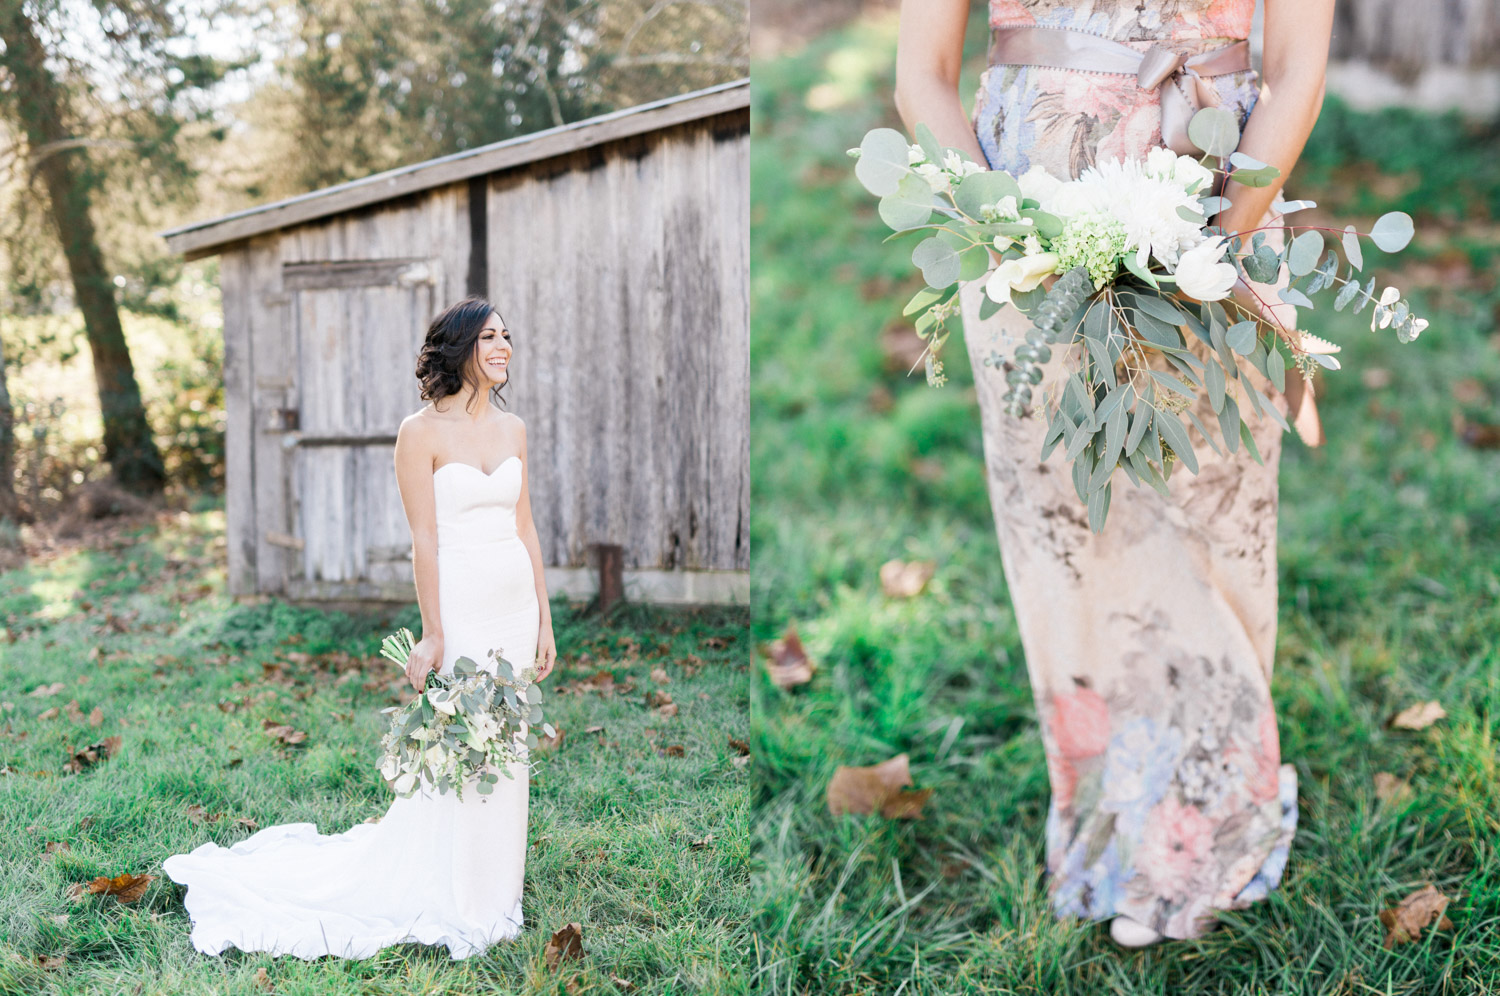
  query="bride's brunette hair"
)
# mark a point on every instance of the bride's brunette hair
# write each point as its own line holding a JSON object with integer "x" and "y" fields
{"x": 443, "y": 364}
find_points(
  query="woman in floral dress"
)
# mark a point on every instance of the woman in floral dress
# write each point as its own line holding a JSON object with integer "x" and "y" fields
{"x": 1149, "y": 645}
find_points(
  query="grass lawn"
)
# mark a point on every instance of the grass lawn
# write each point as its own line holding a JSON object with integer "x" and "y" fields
{"x": 1390, "y": 595}
{"x": 638, "y": 831}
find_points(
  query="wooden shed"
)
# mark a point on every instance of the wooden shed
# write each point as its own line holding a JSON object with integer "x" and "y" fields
{"x": 616, "y": 248}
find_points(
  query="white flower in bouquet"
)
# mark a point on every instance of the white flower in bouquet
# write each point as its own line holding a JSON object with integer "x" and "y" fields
{"x": 959, "y": 166}
{"x": 935, "y": 176}
{"x": 1037, "y": 184}
{"x": 1202, "y": 273}
{"x": 914, "y": 155}
{"x": 1021, "y": 274}
{"x": 1164, "y": 164}
{"x": 440, "y": 701}
{"x": 1145, "y": 206}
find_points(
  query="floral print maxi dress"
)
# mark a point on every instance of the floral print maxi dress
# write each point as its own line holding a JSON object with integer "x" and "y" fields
{"x": 1149, "y": 645}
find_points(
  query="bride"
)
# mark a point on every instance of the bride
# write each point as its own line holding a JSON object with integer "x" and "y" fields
{"x": 461, "y": 468}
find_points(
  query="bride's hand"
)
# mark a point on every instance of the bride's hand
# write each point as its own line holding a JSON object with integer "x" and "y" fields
{"x": 546, "y": 651}
{"x": 426, "y": 656}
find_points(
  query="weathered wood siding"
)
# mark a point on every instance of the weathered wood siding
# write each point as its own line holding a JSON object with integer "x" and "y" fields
{"x": 623, "y": 273}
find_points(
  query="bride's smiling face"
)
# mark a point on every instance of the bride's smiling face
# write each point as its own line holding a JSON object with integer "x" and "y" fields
{"x": 492, "y": 352}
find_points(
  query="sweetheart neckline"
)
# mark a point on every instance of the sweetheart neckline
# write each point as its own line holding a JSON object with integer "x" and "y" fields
{"x": 460, "y": 463}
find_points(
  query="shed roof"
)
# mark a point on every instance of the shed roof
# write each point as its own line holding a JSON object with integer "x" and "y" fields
{"x": 204, "y": 238}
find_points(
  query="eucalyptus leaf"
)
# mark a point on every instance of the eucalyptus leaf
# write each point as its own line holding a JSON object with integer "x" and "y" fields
{"x": 1155, "y": 331}
{"x": 1193, "y": 418}
{"x": 1325, "y": 361}
{"x": 1173, "y": 384}
{"x": 931, "y": 148}
{"x": 1099, "y": 508}
{"x": 1160, "y": 307}
{"x": 988, "y": 306}
{"x": 1262, "y": 265}
{"x": 1241, "y": 337}
{"x": 882, "y": 161}
{"x": 1175, "y": 435}
{"x": 1392, "y": 231}
{"x": 977, "y": 190}
{"x": 1145, "y": 275}
{"x": 910, "y": 206}
{"x": 1213, "y": 380}
{"x": 1302, "y": 256}
{"x": 1229, "y": 424}
{"x": 1048, "y": 226}
{"x": 922, "y": 299}
{"x": 1140, "y": 421}
{"x": 1276, "y": 369}
{"x": 1214, "y": 130}
{"x": 1292, "y": 295}
{"x": 1249, "y": 440}
{"x": 938, "y": 262}
{"x": 1345, "y": 295}
{"x": 1352, "y": 252}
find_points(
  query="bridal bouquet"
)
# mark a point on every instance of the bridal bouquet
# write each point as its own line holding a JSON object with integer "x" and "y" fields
{"x": 463, "y": 727}
{"x": 1139, "y": 263}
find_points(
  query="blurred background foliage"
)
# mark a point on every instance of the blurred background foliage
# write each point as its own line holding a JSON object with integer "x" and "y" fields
{"x": 175, "y": 110}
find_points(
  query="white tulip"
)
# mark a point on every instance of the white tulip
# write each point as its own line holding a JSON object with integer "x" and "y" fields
{"x": 1037, "y": 184}
{"x": 1202, "y": 275}
{"x": 1021, "y": 274}
{"x": 445, "y": 706}
{"x": 406, "y": 783}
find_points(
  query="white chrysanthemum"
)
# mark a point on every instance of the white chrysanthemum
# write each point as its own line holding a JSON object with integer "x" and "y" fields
{"x": 1144, "y": 204}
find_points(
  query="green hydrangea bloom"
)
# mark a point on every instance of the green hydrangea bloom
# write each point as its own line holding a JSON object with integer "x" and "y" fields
{"x": 1096, "y": 241}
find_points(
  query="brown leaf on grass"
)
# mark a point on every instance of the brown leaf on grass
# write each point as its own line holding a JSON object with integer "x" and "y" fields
{"x": 73, "y": 712}
{"x": 246, "y": 823}
{"x": 877, "y": 788}
{"x": 283, "y": 733}
{"x": 787, "y": 662}
{"x": 126, "y": 888}
{"x": 262, "y": 980}
{"x": 1476, "y": 435}
{"x": 1405, "y": 921}
{"x": 594, "y": 729}
{"x": 906, "y": 579}
{"x": 93, "y": 754}
{"x": 47, "y": 691}
{"x": 667, "y": 710}
{"x": 739, "y": 745}
{"x": 656, "y": 699}
{"x": 672, "y": 750}
{"x": 202, "y": 816}
{"x": 659, "y": 675}
{"x": 624, "y": 985}
{"x": 553, "y": 742}
{"x": 96, "y": 717}
{"x": 1391, "y": 790}
{"x": 56, "y": 847}
{"x": 565, "y": 945}
{"x": 1469, "y": 391}
{"x": 691, "y": 665}
{"x": 76, "y": 892}
{"x": 701, "y": 843}
{"x": 51, "y": 962}
{"x": 52, "y": 713}
{"x": 715, "y": 642}
{"x": 740, "y": 762}
{"x": 1419, "y": 716}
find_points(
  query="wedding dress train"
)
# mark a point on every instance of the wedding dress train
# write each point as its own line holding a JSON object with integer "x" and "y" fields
{"x": 434, "y": 869}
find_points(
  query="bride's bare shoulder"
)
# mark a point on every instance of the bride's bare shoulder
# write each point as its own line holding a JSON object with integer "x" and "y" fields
{"x": 420, "y": 429}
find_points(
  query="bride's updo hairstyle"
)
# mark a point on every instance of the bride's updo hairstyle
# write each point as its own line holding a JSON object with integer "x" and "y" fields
{"x": 443, "y": 365}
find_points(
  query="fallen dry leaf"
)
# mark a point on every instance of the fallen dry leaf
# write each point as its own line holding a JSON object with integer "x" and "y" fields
{"x": 594, "y": 729}
{"x": 1405, "y": 921}
{"x": 739, "y": 745}
{"x": 126, "y": 888}
{"x": 1476, "y": 435}
{"x": 1419, "y": 716}
{"x": 714, "y": 642}
{"x": 52, "y": 713}
{"x": 672, "y": 750}
{"x": 879, "y": 788}
{"x": 565, "y": 945}
{"x": 73, "y": 712}
{"x": 96, "y": 717}
{"x": 906, "y": 579}
{"x": 46, "y": 691}
{"x": 56, "y": 847}
{"x": 263, "y": 981}
{"x": 246, "y": 823}
{"x": 202, "y": 816}
{"x": 1391, "y": 790}
{"x": 624, "y": 985}
{"x": 283, "y": 733}
{"x": 1468, "y": 391}
{"x": 698, "y": 845}
{"x": 554, "y": 742}
{"x": 659, "y": 675}
{"x": 93, "y": 754}
{"x": 51, "y": 962}
{"x": 787, "y": 662}
{"x": 740, "y": 762}
{"x": 655, "y": 699}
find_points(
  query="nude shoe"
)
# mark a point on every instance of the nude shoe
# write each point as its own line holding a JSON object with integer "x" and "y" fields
{"x": 1129, "y": 933}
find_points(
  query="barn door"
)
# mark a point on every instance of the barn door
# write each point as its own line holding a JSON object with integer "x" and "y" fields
{"x": 358, "y": 327}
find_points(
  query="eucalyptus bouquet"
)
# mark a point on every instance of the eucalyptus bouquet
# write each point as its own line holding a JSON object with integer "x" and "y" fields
{"x": 463, "y": 727}
{"x": 1139, "y": 263}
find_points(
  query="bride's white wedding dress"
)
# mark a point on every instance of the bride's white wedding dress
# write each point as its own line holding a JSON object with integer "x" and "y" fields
{"x": 434, "y": 870}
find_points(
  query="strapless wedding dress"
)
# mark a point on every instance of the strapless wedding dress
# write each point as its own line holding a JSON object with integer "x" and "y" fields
{"x": 433, "y": 870}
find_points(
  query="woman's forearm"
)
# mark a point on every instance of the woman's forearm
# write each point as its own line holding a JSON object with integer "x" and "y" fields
{"x": 924, "y": 98}
{"x": 533, "y": 546}
{"x": 425, "y": 571}
{"x": 929, "y": 56}
{"x": 1284, "y": 116}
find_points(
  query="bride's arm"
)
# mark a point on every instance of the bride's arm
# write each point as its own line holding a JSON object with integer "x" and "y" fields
{"x": 546, "y": 644}
{"x": 414, "y": 477}
{"x": 929, "y": 54}
{"x": 1297, "y": 35}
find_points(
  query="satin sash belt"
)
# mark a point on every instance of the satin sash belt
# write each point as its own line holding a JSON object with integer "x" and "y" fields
{"x": 1182, "y": 80}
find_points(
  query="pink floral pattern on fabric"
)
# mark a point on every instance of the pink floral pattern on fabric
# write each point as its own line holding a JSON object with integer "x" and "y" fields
{"x": 1149, "y": 646}
{"x": 1066, "y": 120}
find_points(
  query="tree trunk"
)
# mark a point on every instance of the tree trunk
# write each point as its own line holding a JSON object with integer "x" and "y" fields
{"x": 9, "y": 507}
{"x": 39, "y": 100}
